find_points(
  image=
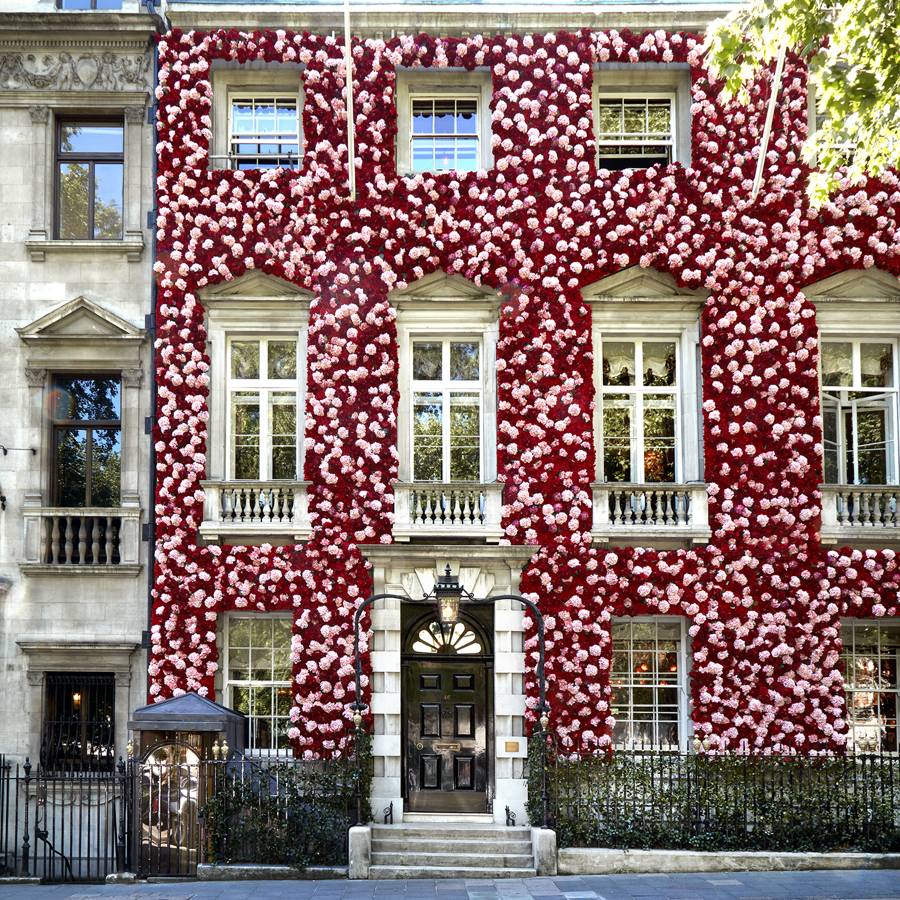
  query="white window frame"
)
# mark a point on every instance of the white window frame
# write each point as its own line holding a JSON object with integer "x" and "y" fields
{"x": 668, "y": 96}
{"x": 479, "y": 131}
{"x": 685, "y": 724}
{"x": 228, "y": 684}
{"x": 638, "y": 303}
{"x": 893, "y": 454}
{"x": 447, "y": 307}
{"x": 276, "y": 95}
{"x": 264, "y": 388}
{"x": 638, "y": 392}
{"x": 867, "y": 737}
{"x": 253, "y": 79}
{"x": 654, "y": 81}
{"x": 445, "y": 387}
{"x": 252, "y": 305}
{"x": 442, "y": 84}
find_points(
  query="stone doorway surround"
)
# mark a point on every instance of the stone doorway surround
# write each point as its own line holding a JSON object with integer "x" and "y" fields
{"x": 413, "y": 570}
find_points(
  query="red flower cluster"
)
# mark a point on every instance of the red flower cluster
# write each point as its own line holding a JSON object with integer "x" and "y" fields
{"x": 764, "y": 598}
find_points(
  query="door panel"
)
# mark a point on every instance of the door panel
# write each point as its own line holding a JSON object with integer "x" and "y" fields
{"x": 446, "y": 747}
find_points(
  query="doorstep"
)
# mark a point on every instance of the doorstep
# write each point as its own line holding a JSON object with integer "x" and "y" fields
{"x": 253, "y": 872}
{"x": 597, "y": 861}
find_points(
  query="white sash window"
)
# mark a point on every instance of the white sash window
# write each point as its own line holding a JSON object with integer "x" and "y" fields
{"x": 859, "y": 410}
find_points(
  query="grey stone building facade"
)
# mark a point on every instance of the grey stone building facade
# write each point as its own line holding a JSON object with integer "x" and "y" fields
{"x": 75, "y": 270}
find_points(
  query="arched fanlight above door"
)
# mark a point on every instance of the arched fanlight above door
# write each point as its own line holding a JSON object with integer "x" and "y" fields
{"x": 458, "y": 638}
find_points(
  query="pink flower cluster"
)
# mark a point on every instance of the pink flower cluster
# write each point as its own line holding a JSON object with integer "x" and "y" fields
{"x": 764, "y": 598}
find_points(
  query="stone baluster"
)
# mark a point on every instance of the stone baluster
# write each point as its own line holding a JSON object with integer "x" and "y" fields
{"x": 110, "y": 520}
{"x": 460, "y": 509}
{"x": 54, "y": 540}
{"x": 68, "y": 524}
{"x": 82, "y": 539}
{"x": 95, "y": 539}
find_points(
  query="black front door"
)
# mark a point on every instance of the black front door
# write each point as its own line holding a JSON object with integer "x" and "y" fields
{"x": 446, "y": 747}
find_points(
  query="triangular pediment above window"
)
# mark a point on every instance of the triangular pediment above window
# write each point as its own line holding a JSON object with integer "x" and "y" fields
{"x": 637, "y": 283}
{"x": 257, "y": 285}
{"x": 439, "y": 286}
{"x": 856, "y": 284}
{"x": 79, "y": 320}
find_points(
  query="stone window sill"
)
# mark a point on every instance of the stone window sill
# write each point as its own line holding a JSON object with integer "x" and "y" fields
{"x": 70, "y": 570}
{"x": 133, "y": 248}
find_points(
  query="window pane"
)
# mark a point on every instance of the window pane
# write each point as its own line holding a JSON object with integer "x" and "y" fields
{"x": 634, "y": 112}
{"x": 618, "y": 362}
{"x": 427, "y": 437}
{"x": 245, "y": 432}
{"x": 872, "y": 446}
{"x": 423, "y": 155}
{"x": 106, "y": 467}
{"x": 659, "y": 439}
{"x": 238, "y": 664}
{"x": 422, "y": 116}
{"x": 108, "y": 201}
{"x": 86, "y": 399}
{"x": 245, "y": 359}
{"x": 465, "y": 437}
{"x": 831, "y": 412}
{"x": 427, "y": 361}
{"x": 616, "y": 421}
{"x": 610, "y": 117}
{"x": 837, "y": 363}
{"x": 239, "y": 633}
{"x": 282, "y": 359}
{"x": 444, "y": 116}
{"x": 464, "y": 361}
{"x": 91, "y": 139}
{"x": 659, "y": 118}
{"x": 71, "y": 466}
{"x": 466, "y": 155}
{"x": 659, "y": 364}
{"x": 467, "y": 117}
{"x": 283, "y": 428}
{"x": 876, "y": 363}
{"x": 444, "y": 154}
{"x": 74, "y": 193}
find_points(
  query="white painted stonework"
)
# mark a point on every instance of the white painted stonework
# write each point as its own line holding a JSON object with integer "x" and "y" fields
{"x": 412, "y": 571}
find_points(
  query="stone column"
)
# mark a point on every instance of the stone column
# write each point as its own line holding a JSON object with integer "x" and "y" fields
{"x": 41, "y": 177}
{"x": 134, "y": 145}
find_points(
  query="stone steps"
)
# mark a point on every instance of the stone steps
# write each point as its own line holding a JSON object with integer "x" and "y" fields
{"x": 451, "y": 850}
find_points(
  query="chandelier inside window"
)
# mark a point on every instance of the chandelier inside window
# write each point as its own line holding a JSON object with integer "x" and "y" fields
{"x": 456, "y": 638}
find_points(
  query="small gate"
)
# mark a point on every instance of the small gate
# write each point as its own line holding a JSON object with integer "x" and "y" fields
{"x": 168, "y": 794}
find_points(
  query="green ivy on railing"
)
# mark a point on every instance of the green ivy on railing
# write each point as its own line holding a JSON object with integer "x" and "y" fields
{"x": 668, "y": 800}
{"x": 292, "y": 813}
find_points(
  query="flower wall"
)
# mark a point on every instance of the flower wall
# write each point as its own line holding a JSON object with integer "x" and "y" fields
{"x": 764, "y": 598}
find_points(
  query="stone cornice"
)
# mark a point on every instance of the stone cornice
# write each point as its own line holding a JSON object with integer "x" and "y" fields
{"x": 74, "y": 30}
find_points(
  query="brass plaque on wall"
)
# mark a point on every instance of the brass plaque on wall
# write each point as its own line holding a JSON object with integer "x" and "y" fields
{"x": 512, "y": 746}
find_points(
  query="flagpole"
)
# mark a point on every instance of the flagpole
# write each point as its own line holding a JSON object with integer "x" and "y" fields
{"x": 351, "y": 124}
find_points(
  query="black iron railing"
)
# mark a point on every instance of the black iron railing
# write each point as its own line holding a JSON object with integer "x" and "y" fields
{"x": 660, "y": 799}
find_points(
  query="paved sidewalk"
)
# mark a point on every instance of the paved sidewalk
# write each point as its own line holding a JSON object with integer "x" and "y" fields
{"x": 840, "y": 885}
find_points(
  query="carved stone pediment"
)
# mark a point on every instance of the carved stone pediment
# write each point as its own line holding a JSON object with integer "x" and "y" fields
{"x": 444, "y": 287}
{"x": 635, "y": 283}
{"x": 855, "y": 284}
{"x": 254, "y": 285}
{"x": 80, "y": 319}
{"x": 63, "y": 71}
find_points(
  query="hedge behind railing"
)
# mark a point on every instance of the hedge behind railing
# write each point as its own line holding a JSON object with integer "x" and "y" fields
{"x": 666, "y": 800}
{"x": 287, "y": 813}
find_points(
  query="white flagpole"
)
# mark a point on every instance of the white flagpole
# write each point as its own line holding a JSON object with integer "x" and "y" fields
{"x": 351, "y": 124}
{"x": 767, "y": 130}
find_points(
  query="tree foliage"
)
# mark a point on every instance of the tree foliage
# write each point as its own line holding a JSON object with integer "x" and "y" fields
{"x": 853, "y": 48}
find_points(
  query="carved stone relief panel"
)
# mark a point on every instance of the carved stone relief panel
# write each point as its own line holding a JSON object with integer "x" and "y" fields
{"x": 53, "y": 70}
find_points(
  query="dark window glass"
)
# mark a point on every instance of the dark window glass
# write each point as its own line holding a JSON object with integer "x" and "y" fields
{"x": 87, "y": 447}
{"x": 90, "y": 162}
{"x": 78, "y": 733}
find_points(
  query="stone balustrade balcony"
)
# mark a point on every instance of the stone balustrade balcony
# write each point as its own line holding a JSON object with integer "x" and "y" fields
{"x": 451, "y": 510}
{"x": 860, "y": 512}
{"x": 650, "y": 514}
{"x": 99, "y": 540}
{"x": 255, "y": 512}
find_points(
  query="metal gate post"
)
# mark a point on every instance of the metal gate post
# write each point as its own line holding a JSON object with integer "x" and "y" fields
{"x": 26, "y": 843}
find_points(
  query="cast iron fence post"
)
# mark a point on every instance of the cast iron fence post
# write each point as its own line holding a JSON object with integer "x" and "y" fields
{"x": 26, "y": 844}
{"x": 120, "y": 837}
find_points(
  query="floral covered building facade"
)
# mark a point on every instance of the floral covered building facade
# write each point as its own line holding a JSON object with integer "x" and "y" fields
{"x": 551, "y": 343}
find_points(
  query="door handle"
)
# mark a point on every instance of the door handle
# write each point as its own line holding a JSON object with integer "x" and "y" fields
{"x": 420, "y": 746}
